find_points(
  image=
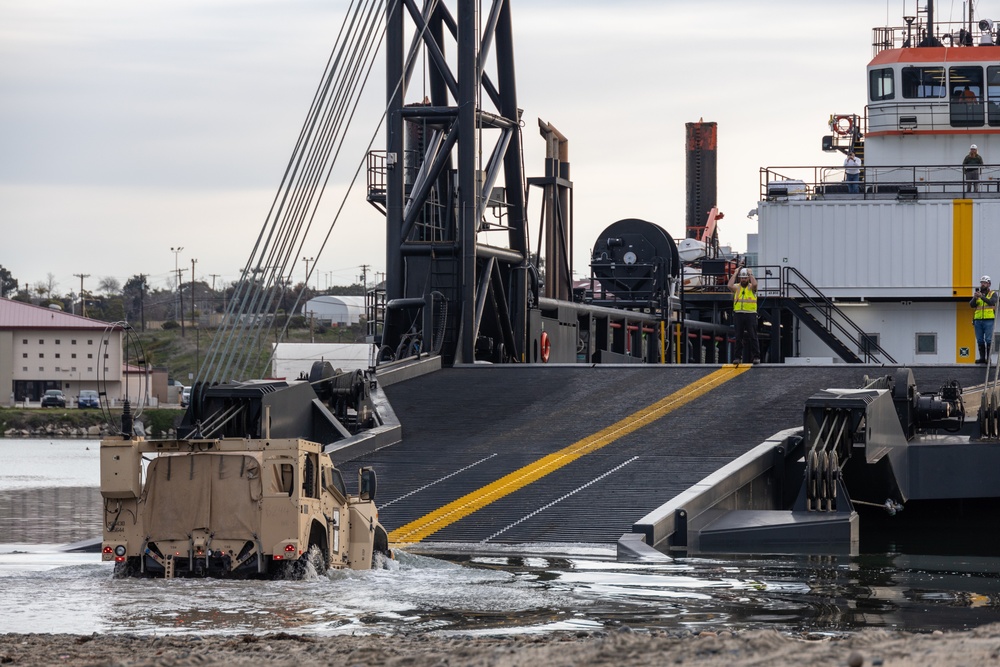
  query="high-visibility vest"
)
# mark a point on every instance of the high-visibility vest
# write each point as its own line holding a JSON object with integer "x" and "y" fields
{"x": 983, "y": 310}
{"x": 745, "y": 301}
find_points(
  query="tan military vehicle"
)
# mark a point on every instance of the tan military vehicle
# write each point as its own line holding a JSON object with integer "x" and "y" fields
{"x": 233, "y": 508}
{"x": 263, "y": 505}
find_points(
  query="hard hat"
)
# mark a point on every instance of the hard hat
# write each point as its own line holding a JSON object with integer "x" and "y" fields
{"x": 973, "y": 147}
{"x": 744, "y": 273}
{"x": 985, "y": 279}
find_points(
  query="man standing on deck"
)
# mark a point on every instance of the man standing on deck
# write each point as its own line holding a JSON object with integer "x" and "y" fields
{"x": 970, "y": 167}
{"x": 984, "y": 300}
{"x": 745, "y": 314}
{"x": 852, "y": 171}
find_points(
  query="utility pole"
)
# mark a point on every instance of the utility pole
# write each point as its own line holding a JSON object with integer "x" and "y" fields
{"x": 364, "y": 277}
{"x": 177, "y": 272}
{"x": 307, "y": 260}
{"x": 193, "y": 262}
{"x": 83, "y": 300}
{"x": 214, "y": 276}
{"x": 180, "y": 294}
{"x": 142, "y": 300}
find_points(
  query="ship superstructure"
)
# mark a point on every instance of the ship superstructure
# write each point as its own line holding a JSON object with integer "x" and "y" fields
{"x": 902, "y": 250}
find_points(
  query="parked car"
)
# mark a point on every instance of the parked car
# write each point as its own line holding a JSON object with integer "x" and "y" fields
{"x": 88, "y": 399}
{"x": 53, "y": 398}
{"x": 185, "y": 396}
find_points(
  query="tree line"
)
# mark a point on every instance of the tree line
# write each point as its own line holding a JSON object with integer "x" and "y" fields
{"x": 137, "y": 303}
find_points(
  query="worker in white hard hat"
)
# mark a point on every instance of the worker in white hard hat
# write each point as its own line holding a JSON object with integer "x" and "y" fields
{"x": 745, "y": 315}
{"x": 971, "y": 165}
{"x": 984, "y": 301}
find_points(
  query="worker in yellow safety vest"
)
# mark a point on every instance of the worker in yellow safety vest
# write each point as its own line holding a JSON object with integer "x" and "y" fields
{"x": 984, "y": 301}
{"x": 745, "y": 315}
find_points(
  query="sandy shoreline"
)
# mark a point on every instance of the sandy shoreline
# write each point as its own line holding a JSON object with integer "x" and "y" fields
{"x": 980, "y": 646}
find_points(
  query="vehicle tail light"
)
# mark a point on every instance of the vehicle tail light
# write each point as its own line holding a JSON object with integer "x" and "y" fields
{"x": 289, "y": 547}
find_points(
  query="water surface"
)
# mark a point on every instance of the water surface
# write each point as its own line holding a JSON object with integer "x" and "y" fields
{"x": 49, "y": 496}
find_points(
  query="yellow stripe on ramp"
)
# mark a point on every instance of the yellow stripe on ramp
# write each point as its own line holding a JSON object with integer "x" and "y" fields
{"x": 458, "y": 509}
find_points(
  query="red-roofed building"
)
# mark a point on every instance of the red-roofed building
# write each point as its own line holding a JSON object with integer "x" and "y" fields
{"x": 46, "y": 348}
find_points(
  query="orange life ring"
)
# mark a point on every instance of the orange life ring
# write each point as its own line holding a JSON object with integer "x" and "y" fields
{"x": 840, "y": 128}
{"x": 546, "y": 347}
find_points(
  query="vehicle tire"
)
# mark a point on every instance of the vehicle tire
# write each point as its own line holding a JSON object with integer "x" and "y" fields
{"x": 297, "y": 569}
{"x": 381, "y": 553}
{"x": 320, "y": 559}
{"x": 127, "y": 568}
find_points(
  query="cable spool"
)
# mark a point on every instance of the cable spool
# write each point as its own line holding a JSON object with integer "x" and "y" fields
{"x": 636, "y": 259}
{"x": 812, "y": 493}
{"x": 831, "y": 481}
{"x": 821, "y": 481}
{"x": 981, "y": 418}
{"x": 994, "y": 419}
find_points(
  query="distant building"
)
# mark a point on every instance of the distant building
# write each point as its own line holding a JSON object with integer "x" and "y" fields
{"x": 44, "y": 348}
{"x": 294, "y": 359}
{"x": 336, "y": 310}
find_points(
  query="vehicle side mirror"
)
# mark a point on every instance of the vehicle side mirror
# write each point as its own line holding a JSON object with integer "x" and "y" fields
{"x": 367, "y": 484}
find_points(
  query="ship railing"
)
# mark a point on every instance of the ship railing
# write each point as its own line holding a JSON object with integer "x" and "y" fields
{"x": 947, "y": 33}
{"x": 899, "y": 182}
{"x": 377, "y": 170}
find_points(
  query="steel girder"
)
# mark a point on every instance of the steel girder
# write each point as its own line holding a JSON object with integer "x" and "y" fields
{"x": 472, "y": 293}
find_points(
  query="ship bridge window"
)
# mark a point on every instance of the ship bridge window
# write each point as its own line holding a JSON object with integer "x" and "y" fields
{"x": 993, "y": 94}
{"x": 966, "y": 85}
{"x": 881, "y": 84}
{"x": 923, "y": 82}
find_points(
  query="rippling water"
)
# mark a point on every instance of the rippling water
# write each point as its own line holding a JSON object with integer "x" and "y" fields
{"x": 470, "y": 589}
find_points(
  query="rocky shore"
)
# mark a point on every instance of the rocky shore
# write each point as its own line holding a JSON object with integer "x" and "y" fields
{"x": 980, "y": 646}
{"x": 72, "y": 423}
{"x": 57, "y": 431}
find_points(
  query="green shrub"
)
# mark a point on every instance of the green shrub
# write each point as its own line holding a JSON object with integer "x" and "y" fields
{"x": 159, "y": 422}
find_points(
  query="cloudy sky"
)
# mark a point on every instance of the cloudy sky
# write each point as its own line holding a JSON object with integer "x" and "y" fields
{"x": 129, "y": 128}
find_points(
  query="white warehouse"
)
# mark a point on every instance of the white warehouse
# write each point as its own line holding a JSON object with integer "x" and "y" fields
{"x": 339, "y": 310}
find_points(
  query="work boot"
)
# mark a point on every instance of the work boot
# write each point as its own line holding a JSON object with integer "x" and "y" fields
{"x": 982, "y": 354}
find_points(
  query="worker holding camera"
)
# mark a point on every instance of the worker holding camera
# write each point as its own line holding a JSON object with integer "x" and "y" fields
{"x": 984, "y": 301}
{"x": 745, "y": 314}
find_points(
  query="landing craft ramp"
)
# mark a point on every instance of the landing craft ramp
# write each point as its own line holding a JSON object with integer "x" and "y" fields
{"x": 570, "y": 454}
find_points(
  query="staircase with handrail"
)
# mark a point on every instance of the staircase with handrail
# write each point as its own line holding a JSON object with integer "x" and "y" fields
{"x": 825, "y": 319}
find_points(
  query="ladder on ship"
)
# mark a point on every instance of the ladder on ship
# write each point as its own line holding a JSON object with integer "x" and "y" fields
{"x": 801, "y": 299}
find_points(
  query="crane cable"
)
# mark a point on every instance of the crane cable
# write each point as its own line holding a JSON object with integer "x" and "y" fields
{"x": 294, "y": 207}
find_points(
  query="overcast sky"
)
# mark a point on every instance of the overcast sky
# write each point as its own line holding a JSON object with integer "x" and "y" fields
{"x": 128, "y": 128}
